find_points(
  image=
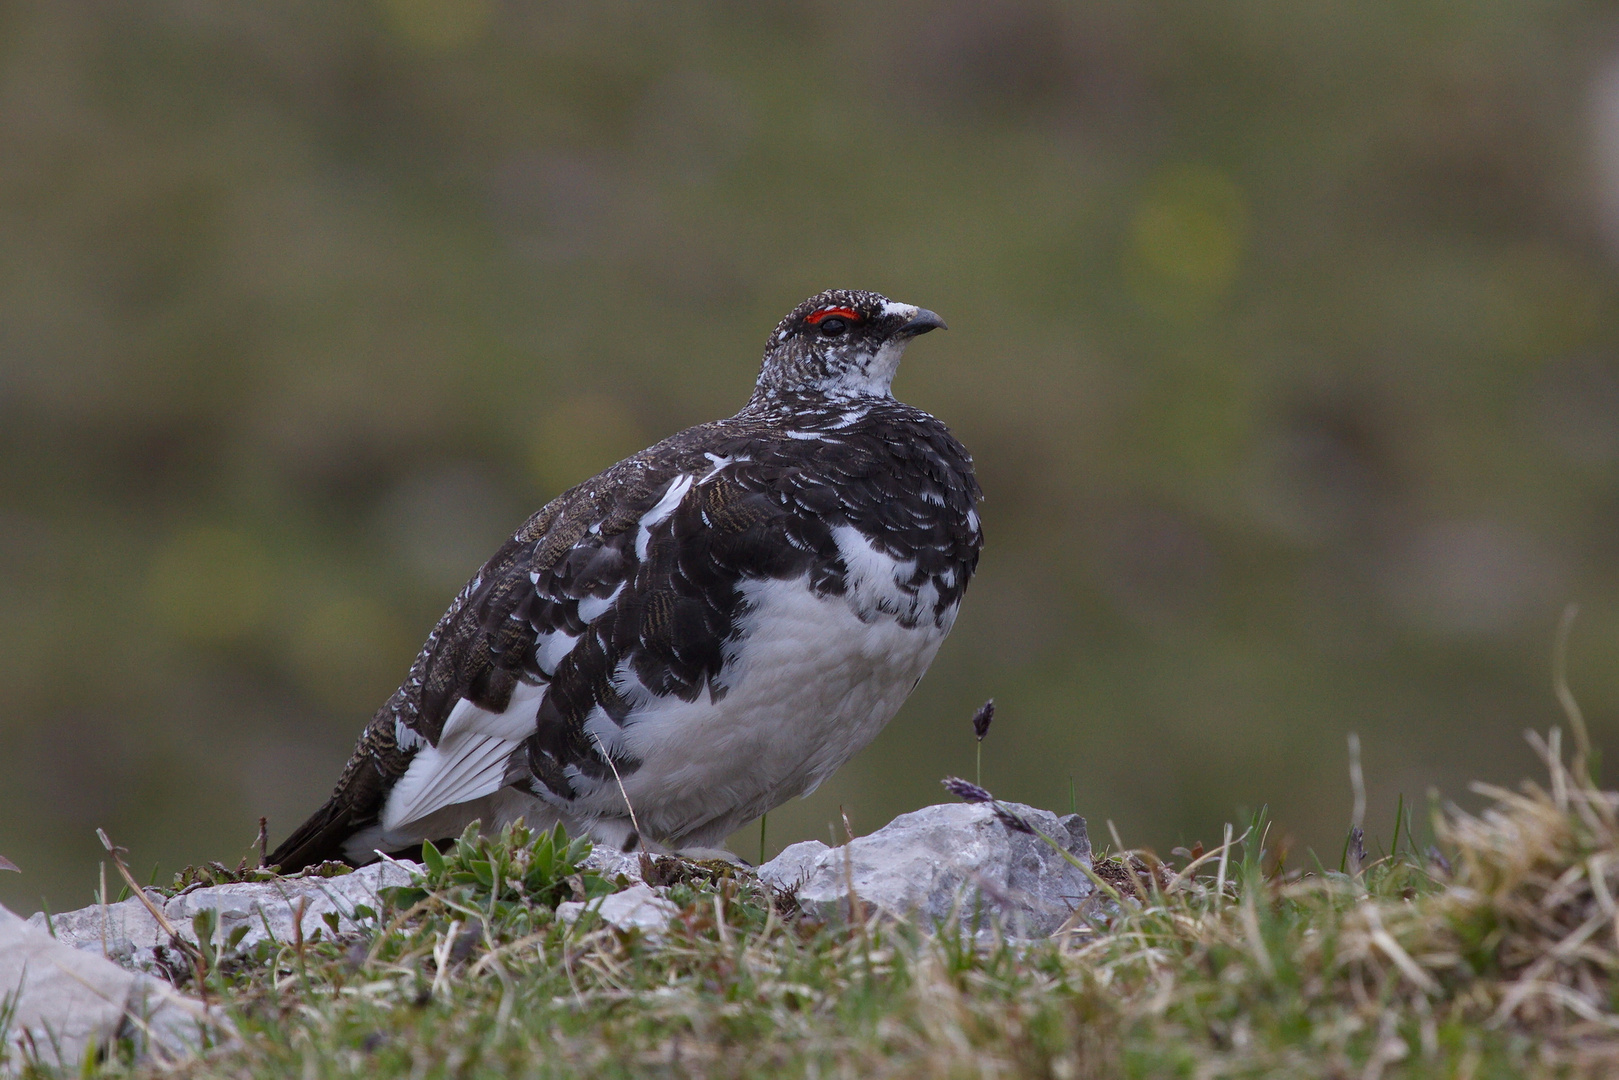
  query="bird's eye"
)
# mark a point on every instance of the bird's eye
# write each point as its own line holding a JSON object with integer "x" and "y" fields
{"x": 832, "y": 321}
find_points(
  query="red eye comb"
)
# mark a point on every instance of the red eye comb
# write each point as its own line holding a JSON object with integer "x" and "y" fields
{"x": 841, "y": 312}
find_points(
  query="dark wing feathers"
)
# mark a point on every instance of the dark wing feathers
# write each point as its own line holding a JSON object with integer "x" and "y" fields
{"x": 478, "y": 650}
{"x": 766, "y": 508}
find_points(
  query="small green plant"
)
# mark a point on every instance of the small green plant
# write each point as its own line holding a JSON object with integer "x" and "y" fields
{"x": 8, "y": 1015}
{"x": 219, "y": 874}
{"x": 518, "y": 867}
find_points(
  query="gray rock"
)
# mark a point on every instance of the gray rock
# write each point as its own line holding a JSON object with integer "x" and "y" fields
{"x": 127, "y": 933}
{"x": 638, "y": 907}
{"x": 955, "y": 860}
{"x": 68, "y": 1002}
{"x": 609, "y": 863}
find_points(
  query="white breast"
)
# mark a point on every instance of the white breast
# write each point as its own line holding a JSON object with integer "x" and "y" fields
{"x": 808, "y": 684}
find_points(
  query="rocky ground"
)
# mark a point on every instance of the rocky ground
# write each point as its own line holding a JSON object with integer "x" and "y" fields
{"x": 981, "y": 940}
{"x": 85, "y": 979}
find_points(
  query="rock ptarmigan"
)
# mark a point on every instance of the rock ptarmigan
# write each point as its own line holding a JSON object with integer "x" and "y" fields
{"x": 696, "y": 635}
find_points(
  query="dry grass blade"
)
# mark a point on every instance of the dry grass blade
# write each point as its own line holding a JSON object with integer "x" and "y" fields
{"x": 1391, "y": 948}
{"x": 139, "y": 893}
{"x": 1188, "y": 873}
{"x": 1256, "y": 940}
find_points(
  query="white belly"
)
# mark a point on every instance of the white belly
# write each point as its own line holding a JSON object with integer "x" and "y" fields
{"x": 809, "y": 686}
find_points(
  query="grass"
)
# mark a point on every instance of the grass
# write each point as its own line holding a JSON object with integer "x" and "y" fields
{"x": 1491, "y": 954}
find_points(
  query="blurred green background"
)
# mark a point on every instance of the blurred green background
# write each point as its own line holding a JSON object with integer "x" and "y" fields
{"x": 1284, "y": 335}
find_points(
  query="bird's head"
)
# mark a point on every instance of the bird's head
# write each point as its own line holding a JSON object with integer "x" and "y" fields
{"x": 841, "y": 343}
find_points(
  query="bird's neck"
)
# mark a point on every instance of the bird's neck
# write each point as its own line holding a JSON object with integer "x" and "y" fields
{"x": 836, "y": 374}
{"x": 789, "y": 404}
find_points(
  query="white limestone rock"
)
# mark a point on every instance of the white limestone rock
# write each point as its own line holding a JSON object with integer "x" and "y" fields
{"x": 69, "y": 1003}
{"x": 638, "y": 907}
{"x": 610, "y": 863}
{"x": 954, "y": 860}
{"x": 127, "y": 933}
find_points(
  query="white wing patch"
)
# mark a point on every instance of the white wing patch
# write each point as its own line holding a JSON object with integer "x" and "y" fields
{"x": 592, "y": 607}
{"x": 875, "y": 578}
{"x": 551, "y": 649}
{"x": 720, "y": 461}
{"x": 604, "y": 734}
{"x": 405, "y": 737}
{"x": 469, "y": 761}
{"x": 661, "y": 512}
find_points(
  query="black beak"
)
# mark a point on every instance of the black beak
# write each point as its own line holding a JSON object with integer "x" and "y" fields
{"x": 921, "y": 323}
